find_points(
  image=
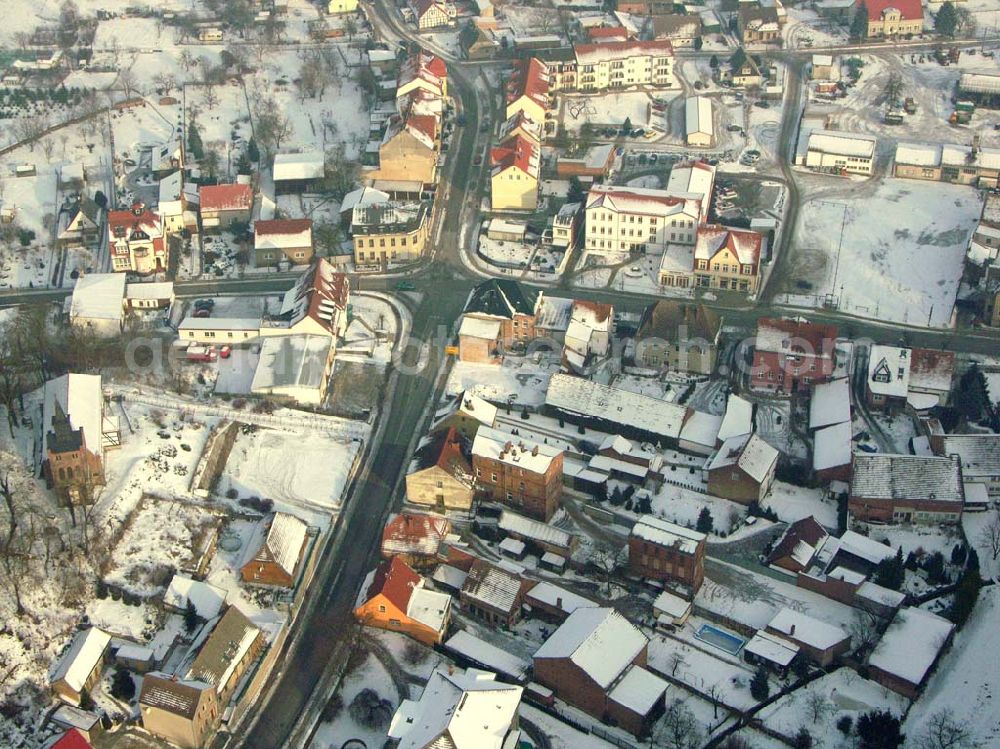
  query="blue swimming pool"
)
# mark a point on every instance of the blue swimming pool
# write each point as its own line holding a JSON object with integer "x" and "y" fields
{"x": 723, "y": 639}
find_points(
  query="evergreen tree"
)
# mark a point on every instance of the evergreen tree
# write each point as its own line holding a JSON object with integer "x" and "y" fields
{"x": 859, "y": 24}
{"x": 946, "y": 20}
{"x": 972, "y": 560}
{"x": 627, "y": 126}
{"x": 965, "y": 597}
{"x": 243, "y": 165}
{"x": 616, "y": 497}
{"x": 891, "y": 572}
{"x": 958, "y": 554}
{"x": 644, "y": 505}
{"x": 759, "y": 687}
{"x": 803, "y": 739}
{"x": 705, "y": 522}
{"x": 253, "y": 153}
{"x": 879, "y": 729}
{"x": 190, "y": 616}
{"x": 122, "y": 685}
{"x": 195, "y": 146}
{"x": 576, "y": 193}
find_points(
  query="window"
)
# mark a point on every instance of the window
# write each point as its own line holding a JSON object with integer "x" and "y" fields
{"x": 381, "y": 608}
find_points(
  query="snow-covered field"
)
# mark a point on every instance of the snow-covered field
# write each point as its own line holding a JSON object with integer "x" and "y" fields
{"x": 609, "y": 109}
{"x": 303, "y": 473}
{"x": 901, "y": 253}
{"x": 369, "y": 675}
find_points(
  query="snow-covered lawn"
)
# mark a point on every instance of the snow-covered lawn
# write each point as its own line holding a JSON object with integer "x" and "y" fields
{"x": 901, "y": 254}
{"x": 975, "y": 524}
{"x": 369, "y": 675}
{"x": 303, "y": 473}
{"x": 702, "y": 672}
{"x": 965, "y": 681}
{"x": 682, "y": 506}
{"x": 559, "y": 734}
{"x": 518, "y": 380}
{"x": 370, "y": 335}
{"x": 792, "y": 503}
{"x": 609, "y": 108}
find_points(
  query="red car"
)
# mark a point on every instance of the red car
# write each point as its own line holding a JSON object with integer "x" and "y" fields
{"x": 225, "y": 352}
{"x": 202, "y": 313}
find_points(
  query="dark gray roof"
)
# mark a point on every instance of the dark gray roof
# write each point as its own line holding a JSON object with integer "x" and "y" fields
{"x": 500, "y": 297}
{"x": 168, "y": 693}
{"x": 913, "y": 477}
{"x": 978, "y": 453}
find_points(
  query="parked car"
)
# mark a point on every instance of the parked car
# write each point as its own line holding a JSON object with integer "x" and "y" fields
{"x": 225, "y": 352}
{"x": 405, "y": 286}
{"x": 208, "y": 304}
{"x": 202, "y": 313}
{"x": 868, "y": 448}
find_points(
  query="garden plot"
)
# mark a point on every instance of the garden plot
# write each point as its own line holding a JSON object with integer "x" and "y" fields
{"x": 821, "y": 703}
{"x": 222, "y": 117}
{"x": 505, "y": 253}
{"x": 302, "y": 473}
{"x": 976, "y": 525}
{"x": 127, "y": 34}
{"x": 560, "y": 735}
{"x": 702, "y": 671}
{"x": 370, "y": 674}
{"x": 117, "y": 618}
{"x": 34, "y": 202}
{"x": 681, "y": 505}
{"x": 160, "y": 536}
{"x": 518, "y": 381}
{"x": 901, "y": 254}
{"x": 806, "y": 29}
{"x": 791, "y": 503}
{"x": 609, "y": 109}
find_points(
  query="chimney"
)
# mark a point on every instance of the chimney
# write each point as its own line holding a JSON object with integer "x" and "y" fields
{"x": 534, "y": 451}
{"x": 138, "y": 208}
{"x": 559, "y": 602}
{"x": 792, "y": 631}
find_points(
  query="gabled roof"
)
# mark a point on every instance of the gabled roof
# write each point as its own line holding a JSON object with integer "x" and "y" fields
{"x": 504, "y": 447}
{"x": 98, "y": 296}
{"x": 931, "y": 369}
{"x": 395, "y": 580}
{"x": 669, "y": 318}
{"x": 830, "y": 403}
{"x": 501, "y": 297}
{"x": 207, "y": 599}
{"x": 807, "y": 630}
{"x": 907, "y": 477}
{"x": 979, "y": 454}
{"x": 748, "y": 452}
{"x": 282, "y": 233}
{"x": 492, "y": 586}
{"x": 172, "y": 695}
{"x": 225, "y": 197}
{"x": 296, "y": 166}
{"x": 800, "y": 541}
{"x": 224, "y": 649}
{"x": 743, "y": 244}
{"x": 83, "y": 655}
{"x": 910, "y": 10}
{"x": 911, "y": 644}
{"x": 414, "y": 533}
{"x": 600, "y": 641}
{"x": 653, "y": 529}
{"x": 79, "y": 397}
{"x": 321, "y": 293}
{"x": 593, "y": 54}
{"x": 72, "y": 739}
{"x": 445, "y": 451}
{"x": 530, "y": 78}
{"x": 425, "y": 66}
{"x": 284, "y": 542}
{"x": 517, "y": 152}
{"x": 140, "y": 218}
{"x": 817, "y": 339}
{"x": 641, "y": 200}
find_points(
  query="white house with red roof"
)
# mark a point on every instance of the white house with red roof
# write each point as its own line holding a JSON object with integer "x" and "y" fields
{"x": 423, "y": 71}
{"x": 283, "y": 239}
{"x": 433, "y": 14}
{"x": 892, "y": 18}
{"x": 316, "y": 304}
{"x": 222, "y": 205}
{"x": 727, "y": 258}
{"x": 625, "y": 220}
{"x": 514, "y": 177}
{"x": 527, "y": 89}
{"x": 136, "y": 241}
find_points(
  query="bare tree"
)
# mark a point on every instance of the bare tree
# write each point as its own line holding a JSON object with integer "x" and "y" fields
{"x": 990, "y": 535}
{"x": 29, "y": 127}
{"x": 48, "y": 146}
{"x": 864, "y": 630}
{"x": 187, "y": 60}
{"x": 817, "y": 706}
{"x": 164, "y": 82}
{"x": 607, "y": 558}
{"x": 678, "y": 729}
{"x": 676, "y": 660}
{"x": 63, "y": 140}
{"x": 15, "y": 548}
{"x": 209, "y": 96}
{"x": 715, "y": 693}
{"x": 944, "y": 731}
{"x": 272, "y": 125}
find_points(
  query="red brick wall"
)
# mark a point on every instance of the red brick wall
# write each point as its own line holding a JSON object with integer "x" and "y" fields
{"x": 733, "y": 484}
{"x": 673, "y": 564}
{"x": 784, "y": 371}
{"x": 542, "y": 491}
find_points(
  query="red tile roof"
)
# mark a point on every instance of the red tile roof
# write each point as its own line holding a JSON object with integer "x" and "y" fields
{"x": 423, "y": 65}
{"x": 530, "y": 79}
{"x": 591, "y": 53}
{"x": 424, "y": 124}
{"x": 745, "y": 245}
{"x": 617, "y": 33}
{"x": 820, "y": 336}
{"x": 600, "y": 311}
{"x": 72, "y": 739}
{"x": 910, "y": 10}
{"x": 519, "y": 152}
{"x": 395, "y": 580}
{"x": 139, "y": 217}
{"x": 282, "y": 226}
{"x": 225, "y": 197}
{"x": 411, "y": 532}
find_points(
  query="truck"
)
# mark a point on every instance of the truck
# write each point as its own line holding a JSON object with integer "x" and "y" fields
{"x": 201, "y": 353}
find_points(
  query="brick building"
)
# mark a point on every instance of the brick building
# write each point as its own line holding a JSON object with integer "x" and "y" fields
{"x": 277, "y": 561}
{"x": 524, "y": 475}
{"x": 397, "y": 600}
{"x": 906, "y": 489}
{"x": 498, "y": 314}
{"x": 659, "y": 550}
{"x": 792, "y": 355}
{"x": 742, "y": 469}
{"x": 493, "y": 594}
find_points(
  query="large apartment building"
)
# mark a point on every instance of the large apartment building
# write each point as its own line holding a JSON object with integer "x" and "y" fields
{"x": 389, "y": 233}
{"x": 527, "y": 90}
{"x": 621, "y": 221}
{"x": 613, "y": 65}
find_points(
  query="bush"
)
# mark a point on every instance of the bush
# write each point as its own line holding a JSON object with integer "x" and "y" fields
{"x": 334, "y": 706}
{"x": 759, "y": 687}
{"x": 370, "y": 710}
{"x": 231, "y": 493}
{"x": 803, "y": 739}
{"x": 122, "y": 685}
{"x": 413, "y": 653}
{"x": 844, "y": 724}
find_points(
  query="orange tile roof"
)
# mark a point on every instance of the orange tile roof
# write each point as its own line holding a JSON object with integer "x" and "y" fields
{"x": 225, "y": 197}
{"x": 395, "y": 580}
{"x": 282, "y": 226}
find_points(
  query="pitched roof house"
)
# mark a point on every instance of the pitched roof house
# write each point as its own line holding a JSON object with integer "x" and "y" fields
{"x": 493, "y": 594}
{"x": 317, "y": 303}
{"x": 742, "y": 469}
{"x": 796, "y": 548}
{"x": 414, "y": 537}
{"x": 283, "y": 239}
{"x": 183, "y": 712}
{"x": 679, "y": 336}
{"x": 79, "y": 667}
{"x": 907, "y": 488}
{"x": 278, "y": 559}
{"x": 137, "y": 241}
{"x": 527, "y": 89}
{"x": 222, "y": 205}
{"x": 820, "y": 641}
{"x": 466, "y": 413}
{"x": 98, "y": 303}
{"x": 442, "y": 475}
{"x": 902, "y": 660}
{"x": 231, "y": 648}
{"x": 422, "y": 71}
{"x": 395, "y": 599}
{"x": 515, "y": 168}
{"x": 792, "y": 355}
{"x": 498, "y": 313}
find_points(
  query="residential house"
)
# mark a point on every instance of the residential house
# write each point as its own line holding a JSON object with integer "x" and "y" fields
{"x": 282, "y": 240}
{"x": 527, "y": 90}
{"x": 588, "y": 336}
{"x": 79, "y": 668}
{"x": 223, "y": 205}
{"x": 316, "y": 304}
{"x": 174, "y": 200}
{"x": 758, "y": 24}
{"x": 625, "y": 221}
{"x": 742, "y": 470}
{"x": 666, "y": 552}
{"x": 76, "y": 433}
{"x": 906, "y": 489}
{"x": 901, "y": 376}
{"x": 521, "y": 124}
{"x": 228, "y": 653}
{"x": 792, "y": 355}
{"x": 539, "y": 538}
{"x": 185, "y": 713}
{"x": 823, "y": 68}
{"x": 459, "y": 710}
{"x": 745, "y": 74}
{"x": 554, "y": 603}
{"x": 596, "y": 662}
{"x": 493, "y": 594}
{"x": 294, "y": 368}
{"x": 409, "y": 149}
{"x": 278, "y": 559}
{"x": 820, "y": 642}
{"x": 738, "y": 419}
{"x": 678, "y": 336}
{"x": 395, "y": 599}
{"x": 515, "y": 167}
{"x": 833, "y": 452}
{"x": 98, "y": 303}
{"x": 890, "y": 19}
{"x": 466, "y": 413}
{"x": 521, "y": 474}
{"x": 415, "y": 538}
{"x": 796, "y": 548}
{"x": 958, "y": 164}
{"x": 433, "y": 14}
{"x": 498, "y": 314}
{"x": 297, "y": 173}
{"x": 680, "y": 29}
{"x": 183, "y": 591}
{"x": 137, "y": 242}
{"x": 442, "y": 476}
{"x": 979, "y": 455}
{"x": 147, "y": 296}
{"x": 81, "y": 727}
{"x": 836, "y": 152}
{"x": 83, "y": 227}
{"x": 387, "y": 234}
{"x": 425, "y": 72}
{"x": 699, "y": 129}
{"x": 727, "y": 258}
{"x": 595, "y": 163}
{"x": 617, "y": 65}
{"x": 905, "y": 656}
{"x": 566, "y": 225}
{"x": 830, "y": 403}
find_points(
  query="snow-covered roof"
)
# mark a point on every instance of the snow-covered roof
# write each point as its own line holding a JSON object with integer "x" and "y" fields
{"x": 74, "y": 717}
{"x": 81, "y": 398}
{"x": 889, "y": 370}
{"x": 480, "y": 651}
{"x": 512, "y": 450}
{"x": 166, "y": 692}
{"x": 600, "y": 641}
{"x": 414, "y": 533}
{"x": 492, "y": 586}
{"x": 698, "y": 115}
{"x": 595, "y": 54}
{"x": 458, "y": 710}
{"x": 695, "y": 178}
{"x": 772, "y": 649}
{"x": 738, "y": 419}
{"x": 911, "y": 644}
{"x": 671, "y": 604}
{"x": 832, "y": 446}
{"x": 807, "y": 630}
{"x": 749, "y": 452}
{"x": 321, "y": 293}
{"x": 638, "y": 690}
{"x": 863, "y": 547}
{"x": 452, "y": 577}
{"x": 512, "y": 546}
{"x": 282, "y": 234}
{"x": 653, "y": 529}
{"x": 429, "y": 608}
{"x": 284, "y": 542}
{"x": 157, "y": 290}
{"x": 553, "y": 313}
{"x": 82, "y": 657}
{"x": 478, "y": 327}
{"x": 207, "y": 599}
{"x": 589, "y": 398}
{"x": 701, "y": 428}
{"x": 226, "y": 647}
{"x": 362, "y": 198}
{"x": 292, "y": 361}
{"x": 293, "y": 166}
{"x": 907, "y": 477}
{"x": 646, "y": 201}
{"x": 878, "y": 594}
{"x": 931, "y": 370}
{"x": 561, "y": 598}
{"x": 978, "y": 453}
{"x": 219, "y": 323}
{"x": 830, "y": 403}
{"x": 842, "y": 144}
{"x": 98, "y": 296}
